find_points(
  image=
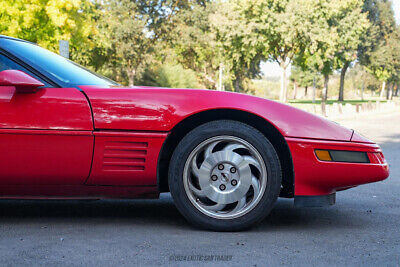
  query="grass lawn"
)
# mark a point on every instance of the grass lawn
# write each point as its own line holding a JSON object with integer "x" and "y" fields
{"x": 329, "y": 102}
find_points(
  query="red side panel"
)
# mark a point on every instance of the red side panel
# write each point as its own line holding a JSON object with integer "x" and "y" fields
{"x": 39, "y": 157}
{"x": 160, "y": 109}
{"x": 315, "y": 177}
{"x": 48, "y": 108}
{"x": 45, "y": 137}
{"x": 126, "y": 158}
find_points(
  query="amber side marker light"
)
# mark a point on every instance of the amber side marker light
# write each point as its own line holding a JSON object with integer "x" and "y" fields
{"x": 323, "y": 155}
{"x": 342, "y": 156}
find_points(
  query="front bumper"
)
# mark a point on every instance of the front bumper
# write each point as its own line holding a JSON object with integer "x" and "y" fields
{"x": 317, "y": 178}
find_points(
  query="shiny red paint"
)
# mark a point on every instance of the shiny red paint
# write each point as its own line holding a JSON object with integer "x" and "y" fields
{"x": 47, "y": 109}
{"x": 315, "y": 177}
{"x": 46, "y": 137}
{"x": 44, "y": 157}
{"x": 22, "y": 82}
{"x": 126, "y": 158}
{"x": 160, "y": 109}
{"x": 59, "y": 145}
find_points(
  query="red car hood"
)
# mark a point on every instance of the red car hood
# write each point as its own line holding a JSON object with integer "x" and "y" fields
{"x": 160, "y": 109}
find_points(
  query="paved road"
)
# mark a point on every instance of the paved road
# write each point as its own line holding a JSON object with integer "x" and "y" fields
{"x": 363, "y": 228}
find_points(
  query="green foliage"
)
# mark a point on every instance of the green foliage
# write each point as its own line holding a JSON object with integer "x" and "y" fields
{"x": 241, "y": 48}
{"x": 169, "y": 75}
{"x": 380, "y": 53}
{"x": 185, "y": 43}
{"x": 45, "y": 22}
{"x": 360, "y": 78}
{"x": 304, "y": 78}
{"x": 175, "y": 76}
{"x": 351, "y": 25}
{"x": 385, "y": 59}
{"x": 192, "y": 43}
{"x": 127, "y": 40}
{"x": 266, "y": 88}
{"x": 334, "y": 42}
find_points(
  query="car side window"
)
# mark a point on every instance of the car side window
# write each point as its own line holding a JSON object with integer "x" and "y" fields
{"x": 8, "y": 64}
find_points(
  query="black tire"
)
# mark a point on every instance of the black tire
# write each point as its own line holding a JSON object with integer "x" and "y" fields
{"x": 218, "y": 128}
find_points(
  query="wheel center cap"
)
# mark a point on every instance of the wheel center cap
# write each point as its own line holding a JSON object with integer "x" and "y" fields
{"x": 225, "y": 177}
{"x": 224, "y": 167}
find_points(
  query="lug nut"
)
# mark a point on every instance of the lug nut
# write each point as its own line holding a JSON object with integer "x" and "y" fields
{"x": 234, "y": 182}
{"x": 220, "y": 167}
{"x": 214, "y": 177}
{"x": 222, "y": 187}
{"x": 233, "y": 170}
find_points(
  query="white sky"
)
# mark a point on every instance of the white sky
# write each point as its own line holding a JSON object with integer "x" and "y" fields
{"x": 272, "y": 68}
{"x": 396, "y": 8}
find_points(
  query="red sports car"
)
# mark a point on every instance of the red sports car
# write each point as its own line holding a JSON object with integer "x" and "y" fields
{"x": 66, "y": 132}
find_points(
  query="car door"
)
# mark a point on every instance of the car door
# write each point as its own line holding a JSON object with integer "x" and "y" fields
{"x": 46, "y": 137}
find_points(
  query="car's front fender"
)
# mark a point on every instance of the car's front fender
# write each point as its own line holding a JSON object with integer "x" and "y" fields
{"x": 160, "y": 109}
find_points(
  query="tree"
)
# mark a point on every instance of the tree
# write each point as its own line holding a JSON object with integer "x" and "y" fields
{"x": 351, "y": 26}
{"x": 319, "y": 56}
{"x": 236, "y": 39}
{"x": 270, "y": 29}
{"x": 129, "y": 42}
{"x": 362, "y": 79}
{"x": 193, "y": 43}
{"x": 176, "y": 76}
{"x": 385, "y": 60}
{"x": 45, "y": 22}
{"x": 379, "y": 50}
{"x": 304, "y": 77}
{"x": 329, "y": 36}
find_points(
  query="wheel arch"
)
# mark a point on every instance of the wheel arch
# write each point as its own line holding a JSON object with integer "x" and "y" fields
{"x": 261, "y": 124}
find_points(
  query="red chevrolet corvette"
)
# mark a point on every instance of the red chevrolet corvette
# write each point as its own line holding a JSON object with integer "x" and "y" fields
{"x": 66, "y": 132}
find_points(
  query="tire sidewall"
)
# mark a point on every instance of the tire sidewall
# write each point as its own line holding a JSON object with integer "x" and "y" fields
{"x": 220, "y": 128}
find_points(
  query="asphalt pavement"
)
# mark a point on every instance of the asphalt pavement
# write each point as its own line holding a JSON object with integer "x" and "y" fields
{"x": 362, "y": 229}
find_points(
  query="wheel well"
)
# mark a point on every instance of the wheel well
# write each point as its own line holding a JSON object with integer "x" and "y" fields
{"x": 185, "y": 126}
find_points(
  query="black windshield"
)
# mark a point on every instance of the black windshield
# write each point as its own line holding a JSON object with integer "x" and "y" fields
{"x": 62, "y": 70}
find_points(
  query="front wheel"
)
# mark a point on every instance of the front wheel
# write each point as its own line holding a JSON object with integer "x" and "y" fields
{"x": 224, "y": 176}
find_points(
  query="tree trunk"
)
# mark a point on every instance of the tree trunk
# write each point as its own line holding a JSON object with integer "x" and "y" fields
{"x": 283, "y": 94}
{"x": 314, "y": 89}
{"x": 397, "y": 90}
{"x": 220, "y": 77}
{"x": 237, "y": 84}
{"x": 294, "y": 89}
{"x": 389, "y": 94}
{"x": 342, "y": 76}
{"x": 131, "y": 77}
{"x": 305, "y": 91}
{"x": 325, "y": 94}
{"x": 325, "y": 90}
{"x": 383, "y": 89}
{"x": 362, "y": 91}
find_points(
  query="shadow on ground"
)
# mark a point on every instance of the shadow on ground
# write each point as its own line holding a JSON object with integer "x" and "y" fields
{"x": 162, "y": 212}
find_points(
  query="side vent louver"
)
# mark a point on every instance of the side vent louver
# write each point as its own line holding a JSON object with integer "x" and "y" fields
{"x": 124, "y": 156}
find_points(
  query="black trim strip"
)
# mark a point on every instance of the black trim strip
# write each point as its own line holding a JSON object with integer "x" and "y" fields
{"x": 90, "y": 106}
{"x": 315, "y": 201}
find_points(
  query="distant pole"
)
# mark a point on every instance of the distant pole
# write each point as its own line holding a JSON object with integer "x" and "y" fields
{"x": 362, "y": 91}
{"x": 64, "y": 48}
{"x": 313, "y": 91}
{"x": 221, "y": 73}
